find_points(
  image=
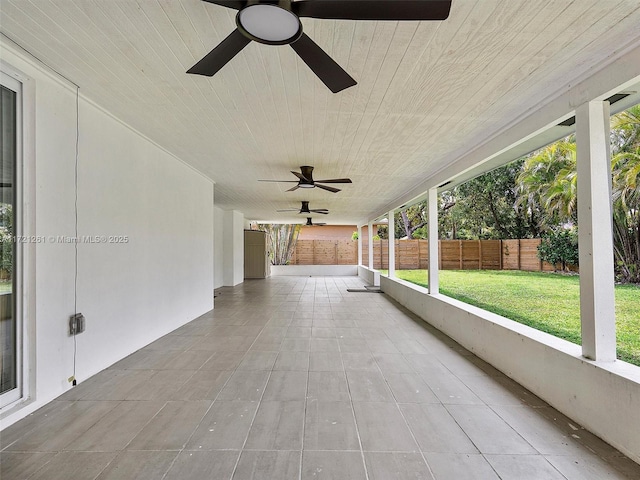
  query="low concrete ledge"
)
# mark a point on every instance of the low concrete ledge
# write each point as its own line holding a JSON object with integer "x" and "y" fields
{"x": 604, "y": 397}
{"x": 314, "y": 270}
{"x": 370, "y": 276}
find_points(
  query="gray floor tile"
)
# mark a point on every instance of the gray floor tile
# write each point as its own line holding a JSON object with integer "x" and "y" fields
{"x": 359, "y": 361}
{"x": 245, "y": 385}
{"x": 223, "y": 361}
{"x": 448, "y": 466}
{"x": 292, "y": 361}
{"x": 61, "y": 428}
{"x": 271, "y": 465}
{"x": 436, "y": 430}
{"x": 295, "y": 344}
{"x": 344, "y": 333}
{"x": 324, "y": 345}
{"x": 396, "y": 466}
{"x": 450, "y": 390}
{"x": 523, "y": 467}
{"x": 488, "y": 431}
{"x": 323, "y": 332}
{"x": 328, "y": 386}
{"x": 117, "y": 428}
{"x": 325, "y": 362}
{"x": 332, "y": 466}
{"x": 353, "y": 345}
{"x": 138, "y": 466}
{"x": 499, "y": 391}
{"x": 224, "y": 427}
{"x": 380, "y": 345}
{"x": 427, "y": 365}
{"x": 277, "y": 426}
{"x": 191, "y": 360}
{"x": 258, "y": 361}
{"x": 203, "y": 385}
{"x": 171, "y": 427}
{"x": 592, "y": 467}
{"x": 368, "y": 386}
{"x": 392, "y": 363}
{"x": 286, "y": 386}
{"x": 410, "y": 388}
{"x": 298, "y": 332}
{"x": 21, "y": 465}
{"x": 382, "y": 428}
{"x": 118, "y": 386}
{"x": 162, "y": 385}
{"x": 75, "y": 465}
{"x": 543, "y": 433}
{"x": 203, "y": 465}
{"x": 330, "y": 426}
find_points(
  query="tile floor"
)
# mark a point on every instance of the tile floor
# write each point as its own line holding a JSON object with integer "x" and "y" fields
{"x": 295, "y": 378}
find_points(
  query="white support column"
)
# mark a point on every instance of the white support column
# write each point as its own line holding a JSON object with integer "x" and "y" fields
{"x": 392, "y": 245}
{"x": 370, "y": 236}
{"x": 595, "y": 232}
{"x": 434, "y": 256}
{"x": 359, "y": 245}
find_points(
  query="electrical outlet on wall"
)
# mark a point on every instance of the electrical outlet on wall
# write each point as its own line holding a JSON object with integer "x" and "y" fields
{"x": 76, "y": 324}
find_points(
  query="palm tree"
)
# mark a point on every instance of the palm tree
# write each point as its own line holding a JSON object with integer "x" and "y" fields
{"x": 547, "y": 184}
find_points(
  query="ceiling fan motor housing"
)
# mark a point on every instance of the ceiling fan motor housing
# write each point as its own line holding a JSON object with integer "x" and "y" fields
{"x": 269, "y": 22}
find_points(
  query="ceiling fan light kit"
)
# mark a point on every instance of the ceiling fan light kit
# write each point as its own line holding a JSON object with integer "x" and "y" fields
{"x": 269, "y": 24}
{"x": 277, "y": 22}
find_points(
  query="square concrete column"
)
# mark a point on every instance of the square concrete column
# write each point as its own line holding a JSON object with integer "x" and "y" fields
{"x": 434, "y": 256}
{"x": 360, "y": 262}
{"x": 595, "y": 232}
{"x": 370, "y": 237}
{"x": 392, "y": 245}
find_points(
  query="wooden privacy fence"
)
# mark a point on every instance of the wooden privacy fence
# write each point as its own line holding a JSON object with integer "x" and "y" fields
{"x": 414, "y": 254}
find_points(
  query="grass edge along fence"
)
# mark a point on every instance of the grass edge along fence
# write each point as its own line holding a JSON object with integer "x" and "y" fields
{"x": 517, "y": 254}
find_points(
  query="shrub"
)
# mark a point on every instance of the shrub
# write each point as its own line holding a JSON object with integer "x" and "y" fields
{"x": 559, "y": 246}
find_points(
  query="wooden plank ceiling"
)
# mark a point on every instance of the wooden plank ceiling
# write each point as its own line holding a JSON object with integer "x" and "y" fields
{"x": 425, "y": 89}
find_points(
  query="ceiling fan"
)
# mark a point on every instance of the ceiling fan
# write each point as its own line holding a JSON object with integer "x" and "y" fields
{"x": 305, "y": 180}
{"x": 277, "y": 22}
{"x": 311, "y": 224}
{"x": 305, "y": 209}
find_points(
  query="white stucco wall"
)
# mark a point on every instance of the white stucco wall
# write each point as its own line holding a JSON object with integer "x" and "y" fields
{"x": 131, "y": 293}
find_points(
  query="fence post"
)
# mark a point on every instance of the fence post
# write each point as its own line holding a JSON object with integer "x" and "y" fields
{"x": 501, "y": 265}
{"x": 460, "y": 252}
{"x": 479, "y": 254}
{"x": 440, "y": 254}
{"x": 519, "y": 256}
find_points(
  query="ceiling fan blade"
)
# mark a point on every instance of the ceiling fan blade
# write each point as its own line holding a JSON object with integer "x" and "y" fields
{"x": 221, "y": 55}
{"x": 294, "y": 188}
{"x": 336, "y": 180}
{"x": 288, "y": 210}
{"x": 300, "y": 176}
{"x": 279, "y": 181}
{"x": 373, "y": 9}
{"x": 331, "y": 189}
{"x": 325, "y": 212}
{"x": 327, "y": 70}
{"x": 235, "y": 4}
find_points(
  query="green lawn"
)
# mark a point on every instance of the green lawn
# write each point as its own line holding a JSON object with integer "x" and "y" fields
{"x": 545, "y": 301}
{"x": 5, "y": 286}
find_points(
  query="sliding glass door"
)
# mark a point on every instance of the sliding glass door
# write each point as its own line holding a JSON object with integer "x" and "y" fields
{"x": 10, "y": 326}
